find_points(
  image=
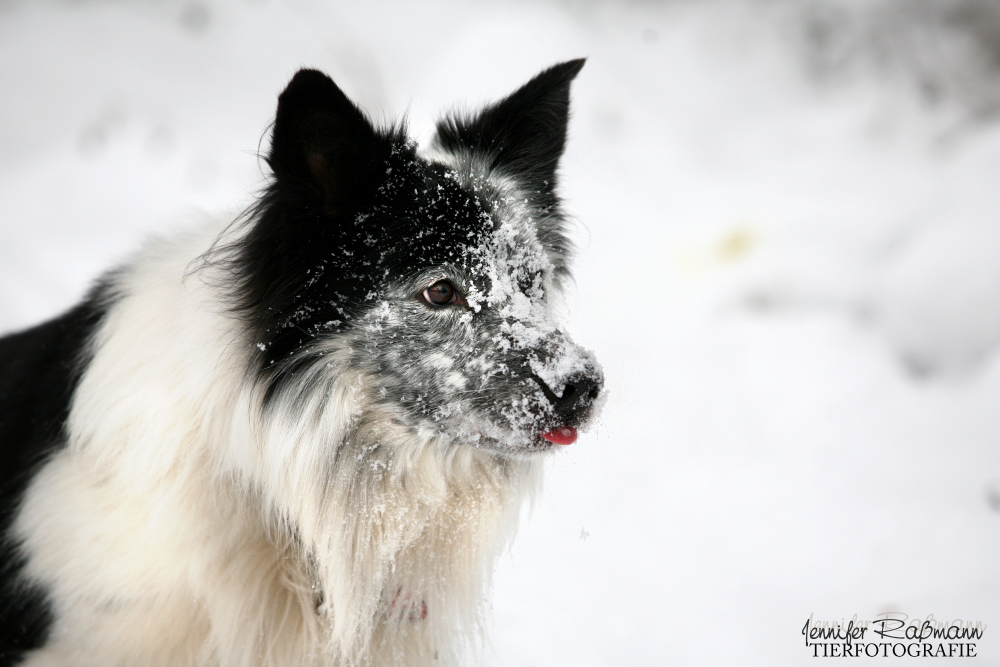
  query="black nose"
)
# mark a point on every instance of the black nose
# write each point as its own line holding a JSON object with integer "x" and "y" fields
{"x": 578, "y": 394}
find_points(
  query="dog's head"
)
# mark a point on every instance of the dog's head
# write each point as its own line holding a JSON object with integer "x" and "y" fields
{"x": 436, "y": 274}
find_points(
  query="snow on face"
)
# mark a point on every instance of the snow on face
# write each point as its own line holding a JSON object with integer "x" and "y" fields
{"x": 486, "y": 371}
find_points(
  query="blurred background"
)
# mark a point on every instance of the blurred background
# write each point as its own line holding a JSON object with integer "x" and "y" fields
{"x": 788, "y": 222}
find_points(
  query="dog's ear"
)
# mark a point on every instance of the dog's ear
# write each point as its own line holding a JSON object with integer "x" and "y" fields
{"x": 524, "y": 133}
{"x": 323, "y": 147}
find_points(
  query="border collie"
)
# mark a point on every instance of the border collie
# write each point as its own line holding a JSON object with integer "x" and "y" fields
{"x": 301, "y": 437}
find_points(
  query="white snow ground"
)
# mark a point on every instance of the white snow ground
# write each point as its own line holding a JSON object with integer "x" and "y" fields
{"x": 789, "y": 268}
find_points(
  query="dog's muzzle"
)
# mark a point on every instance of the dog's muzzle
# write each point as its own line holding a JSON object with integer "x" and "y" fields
{"x": 575, "y": 399}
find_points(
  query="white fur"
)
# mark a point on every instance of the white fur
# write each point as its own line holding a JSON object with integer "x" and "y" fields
{"x": 182, "y": 527}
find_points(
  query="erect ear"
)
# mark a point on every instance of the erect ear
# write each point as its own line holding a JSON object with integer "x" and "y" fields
{"x": 323, "y": 148}
{"x": 524, "y": 133}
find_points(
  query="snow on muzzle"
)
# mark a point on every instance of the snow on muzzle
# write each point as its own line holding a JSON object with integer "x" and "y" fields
{"x": 572, "y": 381}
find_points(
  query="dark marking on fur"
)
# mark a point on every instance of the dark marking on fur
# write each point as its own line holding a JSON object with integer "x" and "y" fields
{"x": 39, "y": 371}
{"x": 523, "y": 134}
{"x": 353, "y": 216}
{"x": 338, "y": 218}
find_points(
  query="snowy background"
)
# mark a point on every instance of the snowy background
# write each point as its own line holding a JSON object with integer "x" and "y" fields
{"x": 789, "y": 224}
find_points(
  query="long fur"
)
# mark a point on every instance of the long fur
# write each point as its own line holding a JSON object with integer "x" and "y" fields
{"x": 271, "y": 452}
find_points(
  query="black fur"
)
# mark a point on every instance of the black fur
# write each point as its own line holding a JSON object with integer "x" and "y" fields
{"x": 342, "y": 202}
{"x": 39, "y": 370}
{"x": 523, "y": 134}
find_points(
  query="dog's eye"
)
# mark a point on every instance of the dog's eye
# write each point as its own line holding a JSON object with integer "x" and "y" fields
{"x": 441, "y": 293}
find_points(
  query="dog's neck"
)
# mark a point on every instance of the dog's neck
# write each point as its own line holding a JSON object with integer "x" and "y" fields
{"x": 400, "y": 535}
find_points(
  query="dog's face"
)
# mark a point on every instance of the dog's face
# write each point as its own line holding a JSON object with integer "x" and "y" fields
{"x": 438, "y": 276}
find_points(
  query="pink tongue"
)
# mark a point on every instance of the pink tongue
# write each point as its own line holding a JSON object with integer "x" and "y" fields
{"x": 564, "y": 435}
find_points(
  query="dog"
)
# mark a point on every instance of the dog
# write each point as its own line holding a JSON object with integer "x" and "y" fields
{"x": 301, "y": 437}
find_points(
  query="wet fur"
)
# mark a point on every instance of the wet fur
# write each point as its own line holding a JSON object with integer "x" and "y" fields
{"x": 255, "y": 445}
